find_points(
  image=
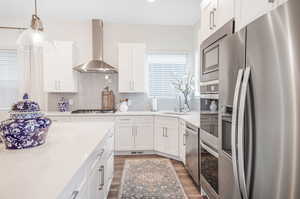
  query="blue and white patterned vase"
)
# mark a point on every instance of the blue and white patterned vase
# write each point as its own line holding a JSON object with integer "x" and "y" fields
{"x": 26, "y": 128}
{"x": 63, "y": 105}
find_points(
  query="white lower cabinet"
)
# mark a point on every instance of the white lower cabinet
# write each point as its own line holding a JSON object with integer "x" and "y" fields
{"x": 167, "y": 136}
{"x": 134, "y": 133}
{"x": 182, "y": 140}
{"x": 94, "y": 178}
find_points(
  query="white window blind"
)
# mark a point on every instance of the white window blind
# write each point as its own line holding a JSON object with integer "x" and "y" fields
{"x": 165, "y": 69}
{"x": 9, "y": 78}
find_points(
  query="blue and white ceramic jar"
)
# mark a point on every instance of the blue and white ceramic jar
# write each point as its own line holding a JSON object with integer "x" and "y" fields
{"x": 26, "y": 128}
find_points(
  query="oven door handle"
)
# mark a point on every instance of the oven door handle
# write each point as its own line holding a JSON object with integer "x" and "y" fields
{"x": 209, "y": 149}
{"x": 234, "y": 125}
{"x": 241, "y": 133}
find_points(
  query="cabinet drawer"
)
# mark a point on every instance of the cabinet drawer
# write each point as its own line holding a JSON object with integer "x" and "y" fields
{"x": 167, "y": 121}
{"x": 143, "y": 120}
{"x": 125, "y": 120}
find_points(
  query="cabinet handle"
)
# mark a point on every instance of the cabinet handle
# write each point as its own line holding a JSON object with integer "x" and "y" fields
{"x": 135, "y": 131}
{"x": 163, "y": 131}
{"x": 101, "y": 174}
{"x": 214, "y": 10}
{"x": 210, "y": 20}
{"x": 74, "y": 194}
{"x": 167, "y": 132}
{"x": 184, "y": 139}
{"x": 271, "y": 1}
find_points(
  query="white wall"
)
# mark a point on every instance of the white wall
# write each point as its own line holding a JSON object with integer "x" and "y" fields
{"x": 157, "y": 38}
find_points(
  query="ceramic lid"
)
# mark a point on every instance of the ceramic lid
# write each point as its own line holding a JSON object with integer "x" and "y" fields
{"x": 26, "y": 106}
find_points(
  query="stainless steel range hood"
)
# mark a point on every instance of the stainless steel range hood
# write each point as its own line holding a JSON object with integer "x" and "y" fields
{"x": 96, "y": 65}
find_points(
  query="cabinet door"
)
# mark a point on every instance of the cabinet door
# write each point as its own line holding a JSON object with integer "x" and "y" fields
{"x": 172, "y": 140}
{"x": 224, "y": 12}
{"x": 138, "y": 68}
{"x": 83, "y": 191}
{"x": 182, "y": 140}
{"x": 144, "y": 138}
{"x": 50, "y": 70}
{"x": 58, "y": 63}
{"x": 64, "y": 56}
{"x": 247, "y": 11}
{"x": 124, "y": 138}
{"x": 94, "y": 183}
{"x": 160, "y": 139}
{"x": 109, "y": 172}
{"x": 125, "y": 68}
{"x": 206, "y": 20}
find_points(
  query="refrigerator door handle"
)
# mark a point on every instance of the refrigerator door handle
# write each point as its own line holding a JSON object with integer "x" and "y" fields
{"x": 234, "y": 126}
{"x": 241, "y": 134}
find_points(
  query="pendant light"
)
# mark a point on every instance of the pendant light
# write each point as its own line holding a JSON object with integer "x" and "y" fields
{"x": 33, "y": 36}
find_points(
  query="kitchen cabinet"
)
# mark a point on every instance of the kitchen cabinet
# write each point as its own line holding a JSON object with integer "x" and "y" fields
{"x": 134, "y": 133}
{"x": 248, "y": 11}
{"x": 167, "y": 136}
{"x": 182, "y": 140}
{"x": 215, "y": 14}
{"x": 93, "y": 180}
{"x": 58, "y": 63}
{"x": 125, "y": 138}
{"x": 132, "y": 68}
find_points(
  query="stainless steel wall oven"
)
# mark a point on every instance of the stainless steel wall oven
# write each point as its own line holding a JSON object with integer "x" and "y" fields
{"x": 209, "y": 169}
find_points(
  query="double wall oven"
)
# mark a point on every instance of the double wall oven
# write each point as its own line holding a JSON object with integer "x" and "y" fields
{"x": 209, "y": 112}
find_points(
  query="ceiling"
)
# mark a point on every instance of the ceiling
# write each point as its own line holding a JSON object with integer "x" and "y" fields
{"x": 163, "y": 12}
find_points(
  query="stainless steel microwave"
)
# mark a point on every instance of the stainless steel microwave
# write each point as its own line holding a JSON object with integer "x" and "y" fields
{"x": 210, "y": 53}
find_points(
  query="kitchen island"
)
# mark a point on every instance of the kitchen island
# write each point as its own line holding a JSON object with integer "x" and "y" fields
{"x": 65, "y": 166}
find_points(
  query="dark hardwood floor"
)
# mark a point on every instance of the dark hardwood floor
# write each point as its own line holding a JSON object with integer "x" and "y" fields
{"x": 186, "y": 181}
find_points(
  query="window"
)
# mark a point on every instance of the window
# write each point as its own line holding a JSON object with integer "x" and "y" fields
{"x": 165, "y": 69}
{"x": 9, "y": 78}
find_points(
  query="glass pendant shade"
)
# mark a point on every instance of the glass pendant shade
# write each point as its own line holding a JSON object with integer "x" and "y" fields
{"x": 33, "y": 36}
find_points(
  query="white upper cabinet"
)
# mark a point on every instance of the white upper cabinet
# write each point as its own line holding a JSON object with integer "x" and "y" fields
{"x": 248, "y": 11}
{"x": 215, "y": 14}
{"x": 132, "y": 68}
{"x": 58, "y": 67}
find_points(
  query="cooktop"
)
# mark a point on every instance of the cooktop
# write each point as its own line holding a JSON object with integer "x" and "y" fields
{"x": 80, "y": 111}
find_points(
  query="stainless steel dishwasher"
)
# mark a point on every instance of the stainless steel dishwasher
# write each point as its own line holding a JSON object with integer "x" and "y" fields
{"x": 192, "y": 151}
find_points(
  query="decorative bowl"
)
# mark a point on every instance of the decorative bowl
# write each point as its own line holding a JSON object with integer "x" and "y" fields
{"x": 26, "y": 128}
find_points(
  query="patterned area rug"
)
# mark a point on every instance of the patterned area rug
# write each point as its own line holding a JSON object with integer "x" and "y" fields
{"x": 150, "y": 179}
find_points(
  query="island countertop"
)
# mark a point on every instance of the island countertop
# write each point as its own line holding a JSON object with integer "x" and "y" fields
{"x": 43, "y": 172}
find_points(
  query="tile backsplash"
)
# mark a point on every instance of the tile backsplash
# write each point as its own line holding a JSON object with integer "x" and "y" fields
{"x": 89, "y": 95}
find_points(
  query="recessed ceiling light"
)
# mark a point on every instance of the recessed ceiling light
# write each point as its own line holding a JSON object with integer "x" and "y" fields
{"x": 151, "y": 1}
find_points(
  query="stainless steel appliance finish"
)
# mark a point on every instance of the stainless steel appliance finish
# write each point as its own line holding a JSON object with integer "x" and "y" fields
{"x": 209, "y": 169}
{"x": 192, "y": 151}
{"x": 210, "y": 52}
{"x": 96, "y": 65}
{"x": 265, "y": 108}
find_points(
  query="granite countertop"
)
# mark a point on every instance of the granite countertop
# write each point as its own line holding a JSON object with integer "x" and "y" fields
{"x": 191, "y": 117}
{"x": 44, "y": 171}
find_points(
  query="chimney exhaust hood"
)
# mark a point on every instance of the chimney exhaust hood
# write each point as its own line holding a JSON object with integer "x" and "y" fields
{"x": 96, "y": 65}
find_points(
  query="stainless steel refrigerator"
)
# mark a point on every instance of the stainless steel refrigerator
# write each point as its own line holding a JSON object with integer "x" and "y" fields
{"x": 259, "y": 119}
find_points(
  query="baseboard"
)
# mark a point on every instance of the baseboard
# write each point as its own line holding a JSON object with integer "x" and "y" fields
{"x": 148, "y": 153}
